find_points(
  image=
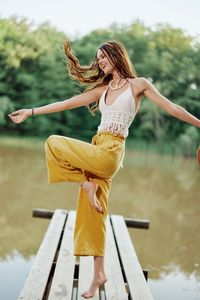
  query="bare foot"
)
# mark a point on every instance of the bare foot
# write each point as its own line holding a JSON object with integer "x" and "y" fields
{"x": 91, "y": 188}
{"x": 96, "y": 283}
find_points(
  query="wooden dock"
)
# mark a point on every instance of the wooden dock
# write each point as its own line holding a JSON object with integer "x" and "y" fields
{"x": 58, "y": 275}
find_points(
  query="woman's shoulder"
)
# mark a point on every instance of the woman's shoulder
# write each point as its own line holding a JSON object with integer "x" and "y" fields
{"x": 140, "y": 83}
{"x": 99, "y": 90}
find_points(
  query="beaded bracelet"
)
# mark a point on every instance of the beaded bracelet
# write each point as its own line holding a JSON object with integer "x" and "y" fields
{"x": 33, "y": 114}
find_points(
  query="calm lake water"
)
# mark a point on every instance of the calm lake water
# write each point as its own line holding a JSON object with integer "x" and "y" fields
{"x": 163, "y": 189}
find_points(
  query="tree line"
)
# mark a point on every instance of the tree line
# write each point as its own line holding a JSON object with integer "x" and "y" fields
{"x": 33, "y": 73}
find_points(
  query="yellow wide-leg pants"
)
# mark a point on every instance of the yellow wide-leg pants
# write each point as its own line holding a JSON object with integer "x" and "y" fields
{"x": 73, "y": 160}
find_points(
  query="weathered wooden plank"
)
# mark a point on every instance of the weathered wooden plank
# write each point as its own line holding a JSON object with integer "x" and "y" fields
{"x": 86, "y": 272}
{"x": 62, "y": 284}
{"x": 137, "y": 223}
{"x": 130, "y": 222}
{"x": 36, "y": 280}
{"x": 42, "y": 213}
{"x": 138, "y": 286}
{"x": 102, "y": 295}
{"x": 115, "y": 286}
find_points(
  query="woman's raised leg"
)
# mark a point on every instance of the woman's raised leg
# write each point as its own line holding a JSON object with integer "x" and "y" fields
{"x": 69, "y": 159}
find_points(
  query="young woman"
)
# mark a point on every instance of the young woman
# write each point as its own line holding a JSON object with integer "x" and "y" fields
{"x": 115, "y": 89}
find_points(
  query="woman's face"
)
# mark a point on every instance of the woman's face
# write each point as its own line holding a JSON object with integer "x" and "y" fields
{"x": 104, "y": 63}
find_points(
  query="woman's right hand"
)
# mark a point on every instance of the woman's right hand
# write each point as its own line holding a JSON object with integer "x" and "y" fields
{"x": 21, "y": 115}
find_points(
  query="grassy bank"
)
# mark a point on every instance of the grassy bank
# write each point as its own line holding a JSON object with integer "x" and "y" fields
{"x": 170, "y": 148}
{"x": 25, "y": 142}
{"x": 167, "y": 148}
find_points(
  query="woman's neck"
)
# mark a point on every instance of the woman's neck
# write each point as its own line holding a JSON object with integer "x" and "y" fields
{"x": 116, "y": 77}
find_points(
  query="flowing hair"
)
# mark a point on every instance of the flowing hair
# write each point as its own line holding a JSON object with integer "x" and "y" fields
{"x": 92, "y": 75}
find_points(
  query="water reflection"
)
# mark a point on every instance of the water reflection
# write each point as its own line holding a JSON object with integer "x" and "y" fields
{"x": 12, "y": 265}
{"x": 167, "y": 193}
{"x": 176, "y": 285}
{"x": 163, "y": 189}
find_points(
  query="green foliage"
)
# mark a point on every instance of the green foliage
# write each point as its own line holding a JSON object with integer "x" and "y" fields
{"x": 33, "y": 73}
{"x": 6, "y": 107}
{"x": 189, "y": 141}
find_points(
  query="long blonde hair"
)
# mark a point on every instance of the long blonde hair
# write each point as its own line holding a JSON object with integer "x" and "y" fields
{"x": 92, "y": 75}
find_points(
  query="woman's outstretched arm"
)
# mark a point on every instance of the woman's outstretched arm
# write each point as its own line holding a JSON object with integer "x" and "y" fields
{"x": 84, "y": 99}
{"x": 173, "y": 109}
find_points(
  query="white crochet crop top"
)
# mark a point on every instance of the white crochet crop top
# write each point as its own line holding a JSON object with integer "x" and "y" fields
{"x": 118, "y": 116}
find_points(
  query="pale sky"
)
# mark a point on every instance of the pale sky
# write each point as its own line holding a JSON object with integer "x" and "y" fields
{"x": 80, "y": 17}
